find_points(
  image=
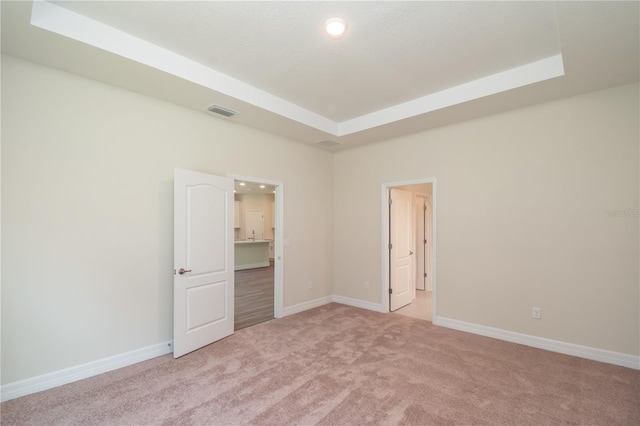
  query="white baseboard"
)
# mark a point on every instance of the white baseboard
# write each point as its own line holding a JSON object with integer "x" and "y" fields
{"x": 83, "y": 371}
{"x": 251, "y": 266}
{"x": 301, "y": 307}
{"x": 304, "y": 306}
{"x": 610, "y": 357}
{"x": 72, "y": 374}
{"x": 358, "y": 303}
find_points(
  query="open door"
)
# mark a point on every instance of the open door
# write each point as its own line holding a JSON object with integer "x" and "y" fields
{"x": 203, "y": 260}
{"x": 401, "y": 268}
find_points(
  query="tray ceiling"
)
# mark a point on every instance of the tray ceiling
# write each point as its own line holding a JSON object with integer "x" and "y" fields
{"x": 402, "y": 67}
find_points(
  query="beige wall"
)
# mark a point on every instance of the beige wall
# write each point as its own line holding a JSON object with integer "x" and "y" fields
{"x": 522, "y": 200}
{"x": 87, "y": 214}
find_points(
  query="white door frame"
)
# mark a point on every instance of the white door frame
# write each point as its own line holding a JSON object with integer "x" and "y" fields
{"x": 278, "y": 284}
{"x": 384, "y": 205}
{"x": 429, "y": 234}
{"x": 420, "y": 246}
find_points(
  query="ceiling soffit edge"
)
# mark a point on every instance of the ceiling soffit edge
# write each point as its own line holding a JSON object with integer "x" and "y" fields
{"x": 59, "y": 20}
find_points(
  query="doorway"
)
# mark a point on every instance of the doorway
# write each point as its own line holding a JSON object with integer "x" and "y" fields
{"x": 257, "y": 250}
{"x": 421, "y": 228}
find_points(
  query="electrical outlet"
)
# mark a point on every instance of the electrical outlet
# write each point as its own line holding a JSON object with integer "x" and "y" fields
{"x": 310, "y": 284}
{"x": 366, "y": 285}
{"x": 535, "y": 313}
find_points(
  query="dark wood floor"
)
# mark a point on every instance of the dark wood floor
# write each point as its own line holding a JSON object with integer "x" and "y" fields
{"x": 253, "y": 296}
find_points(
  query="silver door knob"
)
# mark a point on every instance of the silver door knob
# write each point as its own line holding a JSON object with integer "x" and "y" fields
{"x": 181, "y": 271}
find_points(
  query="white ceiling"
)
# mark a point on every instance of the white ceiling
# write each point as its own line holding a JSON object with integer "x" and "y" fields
{"x": 402, "y": 66}
{"x": 246, "y": 187}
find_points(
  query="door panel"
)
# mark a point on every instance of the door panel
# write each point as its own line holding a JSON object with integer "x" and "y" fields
{"x": 206, "y": 248}
{"x": 205, "y": 305}
{"x": 402, "y": 272}
{"x": 203, "y": 239}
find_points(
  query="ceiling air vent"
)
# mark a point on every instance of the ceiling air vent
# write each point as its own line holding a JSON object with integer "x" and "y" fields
{"x": 217, "y": 109}
{"x": 327, "y": 143}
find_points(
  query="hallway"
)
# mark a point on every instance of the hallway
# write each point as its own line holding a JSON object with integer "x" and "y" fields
{"x": 253, "y": 296}
{"x": 421, "y": 307}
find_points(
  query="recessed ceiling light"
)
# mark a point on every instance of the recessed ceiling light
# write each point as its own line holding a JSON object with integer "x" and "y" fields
{"x": 262, "y": 186}
{"x": 335, "y": 27}
{"x": 242, "y": 184}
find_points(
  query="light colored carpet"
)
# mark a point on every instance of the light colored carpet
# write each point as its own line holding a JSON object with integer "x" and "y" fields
{"x": 339, "y": 365}
{"x": 421, "y": 306}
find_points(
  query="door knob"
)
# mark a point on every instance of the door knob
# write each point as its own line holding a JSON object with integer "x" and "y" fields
{"x": 182, "y": 271}
{"x": 410, "y": 252}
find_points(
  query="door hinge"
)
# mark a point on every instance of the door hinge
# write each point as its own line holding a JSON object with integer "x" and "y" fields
{"x": 425, "y": 275}
{"x": 390, "y": 246}
{"x": 390, "y": 291}
{"x": 174, "y": 272}
{"x": 390, "y": 201}
{"x": 425, "y": 241}
{"x": 424, "y": 207}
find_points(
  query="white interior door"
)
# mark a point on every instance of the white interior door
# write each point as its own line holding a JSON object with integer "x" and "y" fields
{"x": 203, "y": 260}
{"x": 255, "y": 225}
{"x": 420, "y": 243}
{"x": 402, "y": 272}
